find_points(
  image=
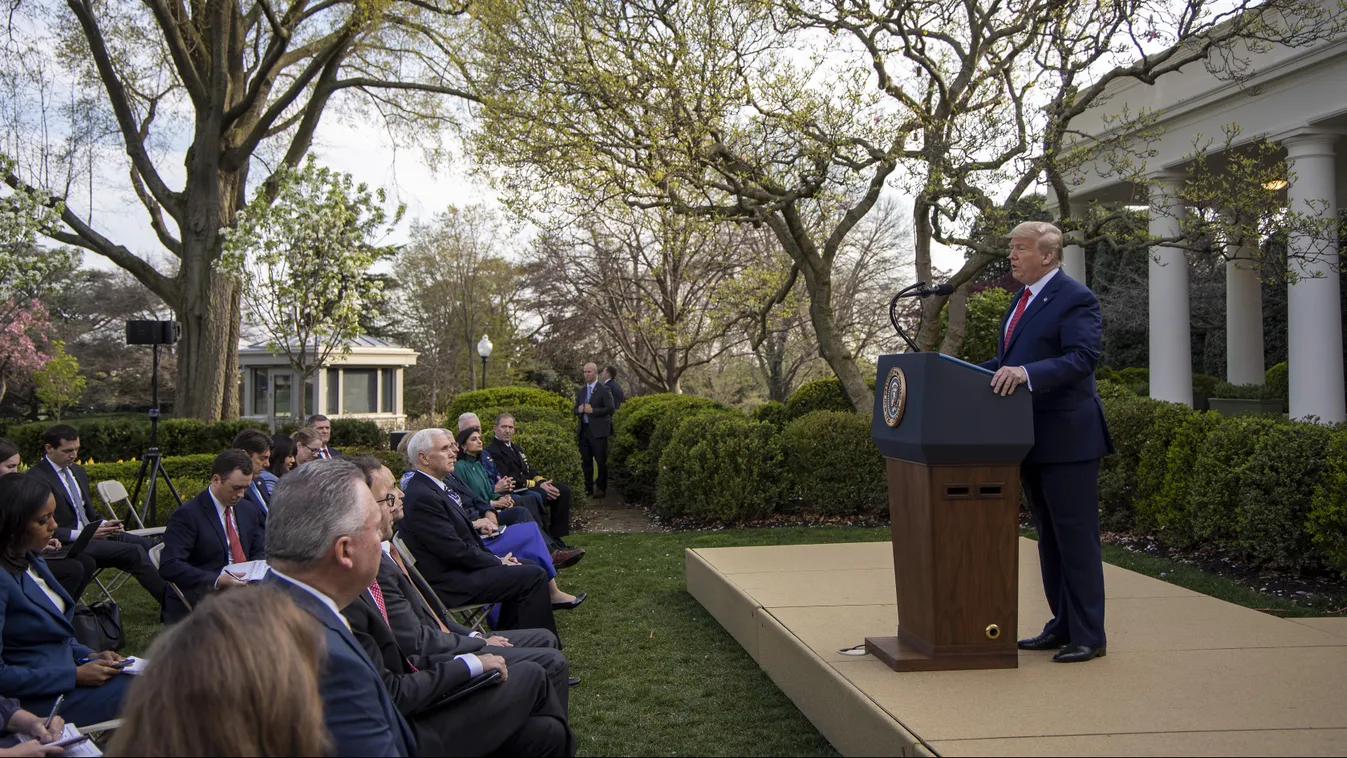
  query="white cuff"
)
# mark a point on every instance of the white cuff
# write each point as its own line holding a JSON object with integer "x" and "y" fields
{"x": 477, "y": 635}
{"x": 1027, "y": 380}
{"x": 474, "y": 663}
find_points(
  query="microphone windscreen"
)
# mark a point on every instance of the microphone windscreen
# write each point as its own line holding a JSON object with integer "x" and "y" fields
{"x": 943, "y": 290}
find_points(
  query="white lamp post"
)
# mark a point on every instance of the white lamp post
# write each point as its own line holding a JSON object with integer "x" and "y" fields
{"x": 484, "y": 350}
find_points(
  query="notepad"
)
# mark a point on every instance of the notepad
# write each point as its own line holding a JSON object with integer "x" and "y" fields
{"x": 249, "y": 571}
{"x": 85, "y": 748}
{"x": 135, "y": 665}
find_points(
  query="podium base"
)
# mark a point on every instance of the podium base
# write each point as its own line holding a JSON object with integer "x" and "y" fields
{"x": 900, "y": 656}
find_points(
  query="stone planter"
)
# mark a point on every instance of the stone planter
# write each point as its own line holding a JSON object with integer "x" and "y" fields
{"x": 1231, "y": 407}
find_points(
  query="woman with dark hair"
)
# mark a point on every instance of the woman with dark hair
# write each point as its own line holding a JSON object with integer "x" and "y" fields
{"x": 9, "y": 457}
{"x": 260, "y": 699}
{"x": 40, "y": 658}
{"x": 282, "y": 460}
{"x": 73, "y": 573}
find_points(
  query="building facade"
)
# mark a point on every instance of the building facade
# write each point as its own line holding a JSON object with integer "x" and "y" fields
{"x": 366, "y": 383}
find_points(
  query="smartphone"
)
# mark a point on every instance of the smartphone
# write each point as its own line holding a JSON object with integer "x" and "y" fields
{"x": 68, "y": 741}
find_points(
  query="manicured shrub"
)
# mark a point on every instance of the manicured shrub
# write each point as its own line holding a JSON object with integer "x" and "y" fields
{"x": 190, "y": 475}
{"x": 121, "y": 439}
{"x": 1217, "y": 474}
{"x": 1244, "y": 391}
{"x": 1327, "y": 521}
{"x": 771, "y": 412}
{"x": 498, "y": 396}
{"x": 721, "y": 467}
{"x": 1278, "y": 381}
{"x": 1129, "y": 421}
{"x": 1106, "y": 373}
{"x": 1152, "y": 463}
{"x": 818, "y": 395}
{"x": 349, "y": 432}
{"x": 525, "y": 415}
{"x": 643, "y": 427}
{"x": 835, "y": 468}
{"x": 1166, "y": 511}
{"x": 1277, "y": 493}
{"x": 1109, "y": 388}
{"x": 1137, "y": 379}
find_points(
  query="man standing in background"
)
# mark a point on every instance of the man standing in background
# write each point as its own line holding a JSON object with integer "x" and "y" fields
{"x": 610, "y": 381}
{"x": 594, "y": 407}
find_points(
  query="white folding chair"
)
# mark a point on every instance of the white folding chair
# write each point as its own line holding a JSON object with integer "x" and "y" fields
{"x": 113, "y": 493}
{"x": 155, "y": 555}
{"x": 474, "y": 617}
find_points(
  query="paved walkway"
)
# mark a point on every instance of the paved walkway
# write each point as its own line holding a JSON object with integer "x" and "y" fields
{"x": 611, "y": 514}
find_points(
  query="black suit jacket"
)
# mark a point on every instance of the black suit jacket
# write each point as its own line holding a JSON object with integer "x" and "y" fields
{"x": 65, "y": 510}
{"x": 473, "y": 506}
{"x": 601, "y": 420}
{"x": 510, "y": 461}
{"x": 618, "y": 395}
{"x": 414, "y": 624}
{"x": 195, "y": 549}
{"x": 448, "y": 550}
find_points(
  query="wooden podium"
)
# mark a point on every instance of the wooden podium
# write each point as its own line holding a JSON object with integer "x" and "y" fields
{"x": 952, "y": 449}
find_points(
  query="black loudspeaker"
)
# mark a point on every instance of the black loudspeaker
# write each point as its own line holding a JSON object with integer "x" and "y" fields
{"x": 395, "y": 439}
{"x": 151, "y": 332}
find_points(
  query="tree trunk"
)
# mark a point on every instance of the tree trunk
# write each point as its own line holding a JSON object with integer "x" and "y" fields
{"x": 958, "y": 322}
{"x": 831, "y": 346}
{"x": 207, "y": 382}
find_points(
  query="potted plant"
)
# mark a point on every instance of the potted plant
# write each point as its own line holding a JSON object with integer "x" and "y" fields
{"x": 1245, "y": 399}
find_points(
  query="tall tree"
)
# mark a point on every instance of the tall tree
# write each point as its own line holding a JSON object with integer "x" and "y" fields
{"x": 219, "y": 83}
{"x": 303, "y": 254}
{"x": 58, "y": 384}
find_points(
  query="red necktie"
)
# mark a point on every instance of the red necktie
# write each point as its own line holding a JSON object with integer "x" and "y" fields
{"x": 377, "y": 593}
{"x": 1019, "y": 311}
{"x": 236, "y": 554}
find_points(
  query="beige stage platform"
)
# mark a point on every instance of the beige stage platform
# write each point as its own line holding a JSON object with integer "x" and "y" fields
{"x": 1185, "y": 674}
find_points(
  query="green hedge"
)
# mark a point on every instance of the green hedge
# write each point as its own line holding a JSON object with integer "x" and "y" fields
{"x": 190, "y": 475}
{"x": 641, "y": 429}
{"x": 1328, "y": 512}
{"x": 525, "y": 415}
{"x": 818, "y": 395}
{"x": 836, "y": 470}
{"x": 771, "y": 412}
{"x": 533, "y": 397}
{"x": 1278, "y": 380}
{"x": 1129, "y": 420}
{"x": 721, "y": 467}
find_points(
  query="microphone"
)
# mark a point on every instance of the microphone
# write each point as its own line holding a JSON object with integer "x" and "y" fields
{"x": 943, "y": 290}
{"x": 916, "y": 290}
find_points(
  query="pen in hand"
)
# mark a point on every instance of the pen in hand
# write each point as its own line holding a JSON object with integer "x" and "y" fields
{"x": 55, "y": 708}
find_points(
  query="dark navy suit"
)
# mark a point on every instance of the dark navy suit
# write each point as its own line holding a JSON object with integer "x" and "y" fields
{"x": 1058, "y": 340}
{"x": 195, "y": 549}
{"x": 356, "y": 705}
{"x": 39, "y": 651}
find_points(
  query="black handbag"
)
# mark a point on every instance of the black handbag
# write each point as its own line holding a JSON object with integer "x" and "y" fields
{"x": 98, "y": 626}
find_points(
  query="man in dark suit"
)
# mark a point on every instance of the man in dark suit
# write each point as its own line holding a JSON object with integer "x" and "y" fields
{"x": 1051, "y": 338}
{"x": 594, "y": 411}
{"x": 212, "y": 530}
{"x": 523, "y": 715}
{"x": 323, "y": 547}
{"x": 610, "y": 381}
{"x": 111, "y": 546}
{"x": 322, "y": 425}
{"x": 510, "y": 461}
{"x": 257, "y": 444}
{"x": 450, "y": 552}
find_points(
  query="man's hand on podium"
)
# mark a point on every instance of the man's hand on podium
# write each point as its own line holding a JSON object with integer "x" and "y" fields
{"x": 1007, "y": 378}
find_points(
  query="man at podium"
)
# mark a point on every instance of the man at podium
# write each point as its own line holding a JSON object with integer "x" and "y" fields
{"x": 1051, "y": 338}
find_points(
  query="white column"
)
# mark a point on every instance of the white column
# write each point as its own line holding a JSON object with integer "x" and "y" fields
{"x": 1315, "y": 298}
{"x": 1243, "y": 314}
{"x": 1171, "y": 361}
{"x": 1073, "y": 255}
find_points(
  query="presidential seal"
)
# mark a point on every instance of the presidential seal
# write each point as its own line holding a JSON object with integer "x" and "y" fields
{"x": 895, "y": 396}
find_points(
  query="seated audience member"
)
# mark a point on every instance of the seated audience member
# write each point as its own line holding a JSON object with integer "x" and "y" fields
{"x": 40, "y": 660}
{"x": 111, "y": 547}
{"x": 321, "y": 425}
{"x": 212, "y": 530}
{"x": 522, "y": 715}
{"x": 15, "y": 721}
{"x": 282, "y": 460}
{"x": 511, "y": 462}
{"x": 418, "y": 627}
{"x": 450, "y": 552}
{"x": 72, "y": 573}
{"x": 307, "y": 446}
{"x": 323, "y": 547}
{"x": 475, "y": 469}
{"x": 257, "y": 445}
{"x": 249, "y": 656}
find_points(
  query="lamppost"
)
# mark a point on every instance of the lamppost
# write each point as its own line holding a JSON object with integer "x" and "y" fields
{"x": 484, "y": 350}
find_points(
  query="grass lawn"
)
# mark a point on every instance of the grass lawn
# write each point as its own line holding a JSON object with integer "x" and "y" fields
{"x": 660, "y": 675}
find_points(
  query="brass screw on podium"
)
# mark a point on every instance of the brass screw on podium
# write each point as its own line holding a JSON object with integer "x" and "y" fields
{"x": 993, "y": 631}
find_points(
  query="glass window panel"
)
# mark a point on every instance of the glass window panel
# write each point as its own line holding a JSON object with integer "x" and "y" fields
{"x": 334, "y": 391}
{"x": 386, "y": 400}
{"x": 359, "y": 391}
{"x": 310, "y": 392}
{"x": 283, "y": 388}
{"x": 259, "y": 392}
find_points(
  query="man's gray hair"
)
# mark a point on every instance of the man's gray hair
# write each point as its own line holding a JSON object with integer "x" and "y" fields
{"x": 1049, "y": 237}
{"x": 502, "y": 416}
{"x": 313, "y": 506}
{"x": 467, "y": 420}
{"x": 422, "y": 442}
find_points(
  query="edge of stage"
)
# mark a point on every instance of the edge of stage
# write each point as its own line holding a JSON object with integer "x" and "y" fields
{"x": 1186, "y": 674}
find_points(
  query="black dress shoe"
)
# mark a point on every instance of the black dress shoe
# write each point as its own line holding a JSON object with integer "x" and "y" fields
{"x": 573, "y": 681}
{"x": 1080, "y": 653}
{"x": 572, "y": 604}
{"x": 1044, "y": 641}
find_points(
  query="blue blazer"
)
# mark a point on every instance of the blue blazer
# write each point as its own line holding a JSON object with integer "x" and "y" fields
{"x": 356, "y": 705}
{"x": 194, "y": 542}
{"x": 38, "y": 648}
{"x": 1058, "y": 341}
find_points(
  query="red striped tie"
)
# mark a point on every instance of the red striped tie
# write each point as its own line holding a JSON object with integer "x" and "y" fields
{"x": 377, "y": 593}
{"x": 1019, "y": 311}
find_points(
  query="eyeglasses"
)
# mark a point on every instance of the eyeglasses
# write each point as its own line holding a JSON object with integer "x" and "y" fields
{"x": 391, "y": 499}
{"x": 314, "y": 450}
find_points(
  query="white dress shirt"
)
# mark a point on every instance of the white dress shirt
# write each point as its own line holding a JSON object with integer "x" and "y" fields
{"x": 51, "y": 594}
{"x": 1033, "y": 289}
{"x": 220, "y": 511}
{"x": 329, "y": 602}
{"x": 67, "y": 478}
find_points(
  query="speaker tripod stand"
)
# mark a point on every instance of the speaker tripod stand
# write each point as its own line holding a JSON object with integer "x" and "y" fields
{"x": 151, "y": 463}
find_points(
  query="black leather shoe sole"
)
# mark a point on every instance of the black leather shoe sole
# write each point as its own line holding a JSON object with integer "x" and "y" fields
{"x": 574, "y": 559}
{"x": 571, "y": 605}
{"x": 1043, "y": 641}
{"x": 573, "y": 681}
{"x": 1080, "y": 653}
